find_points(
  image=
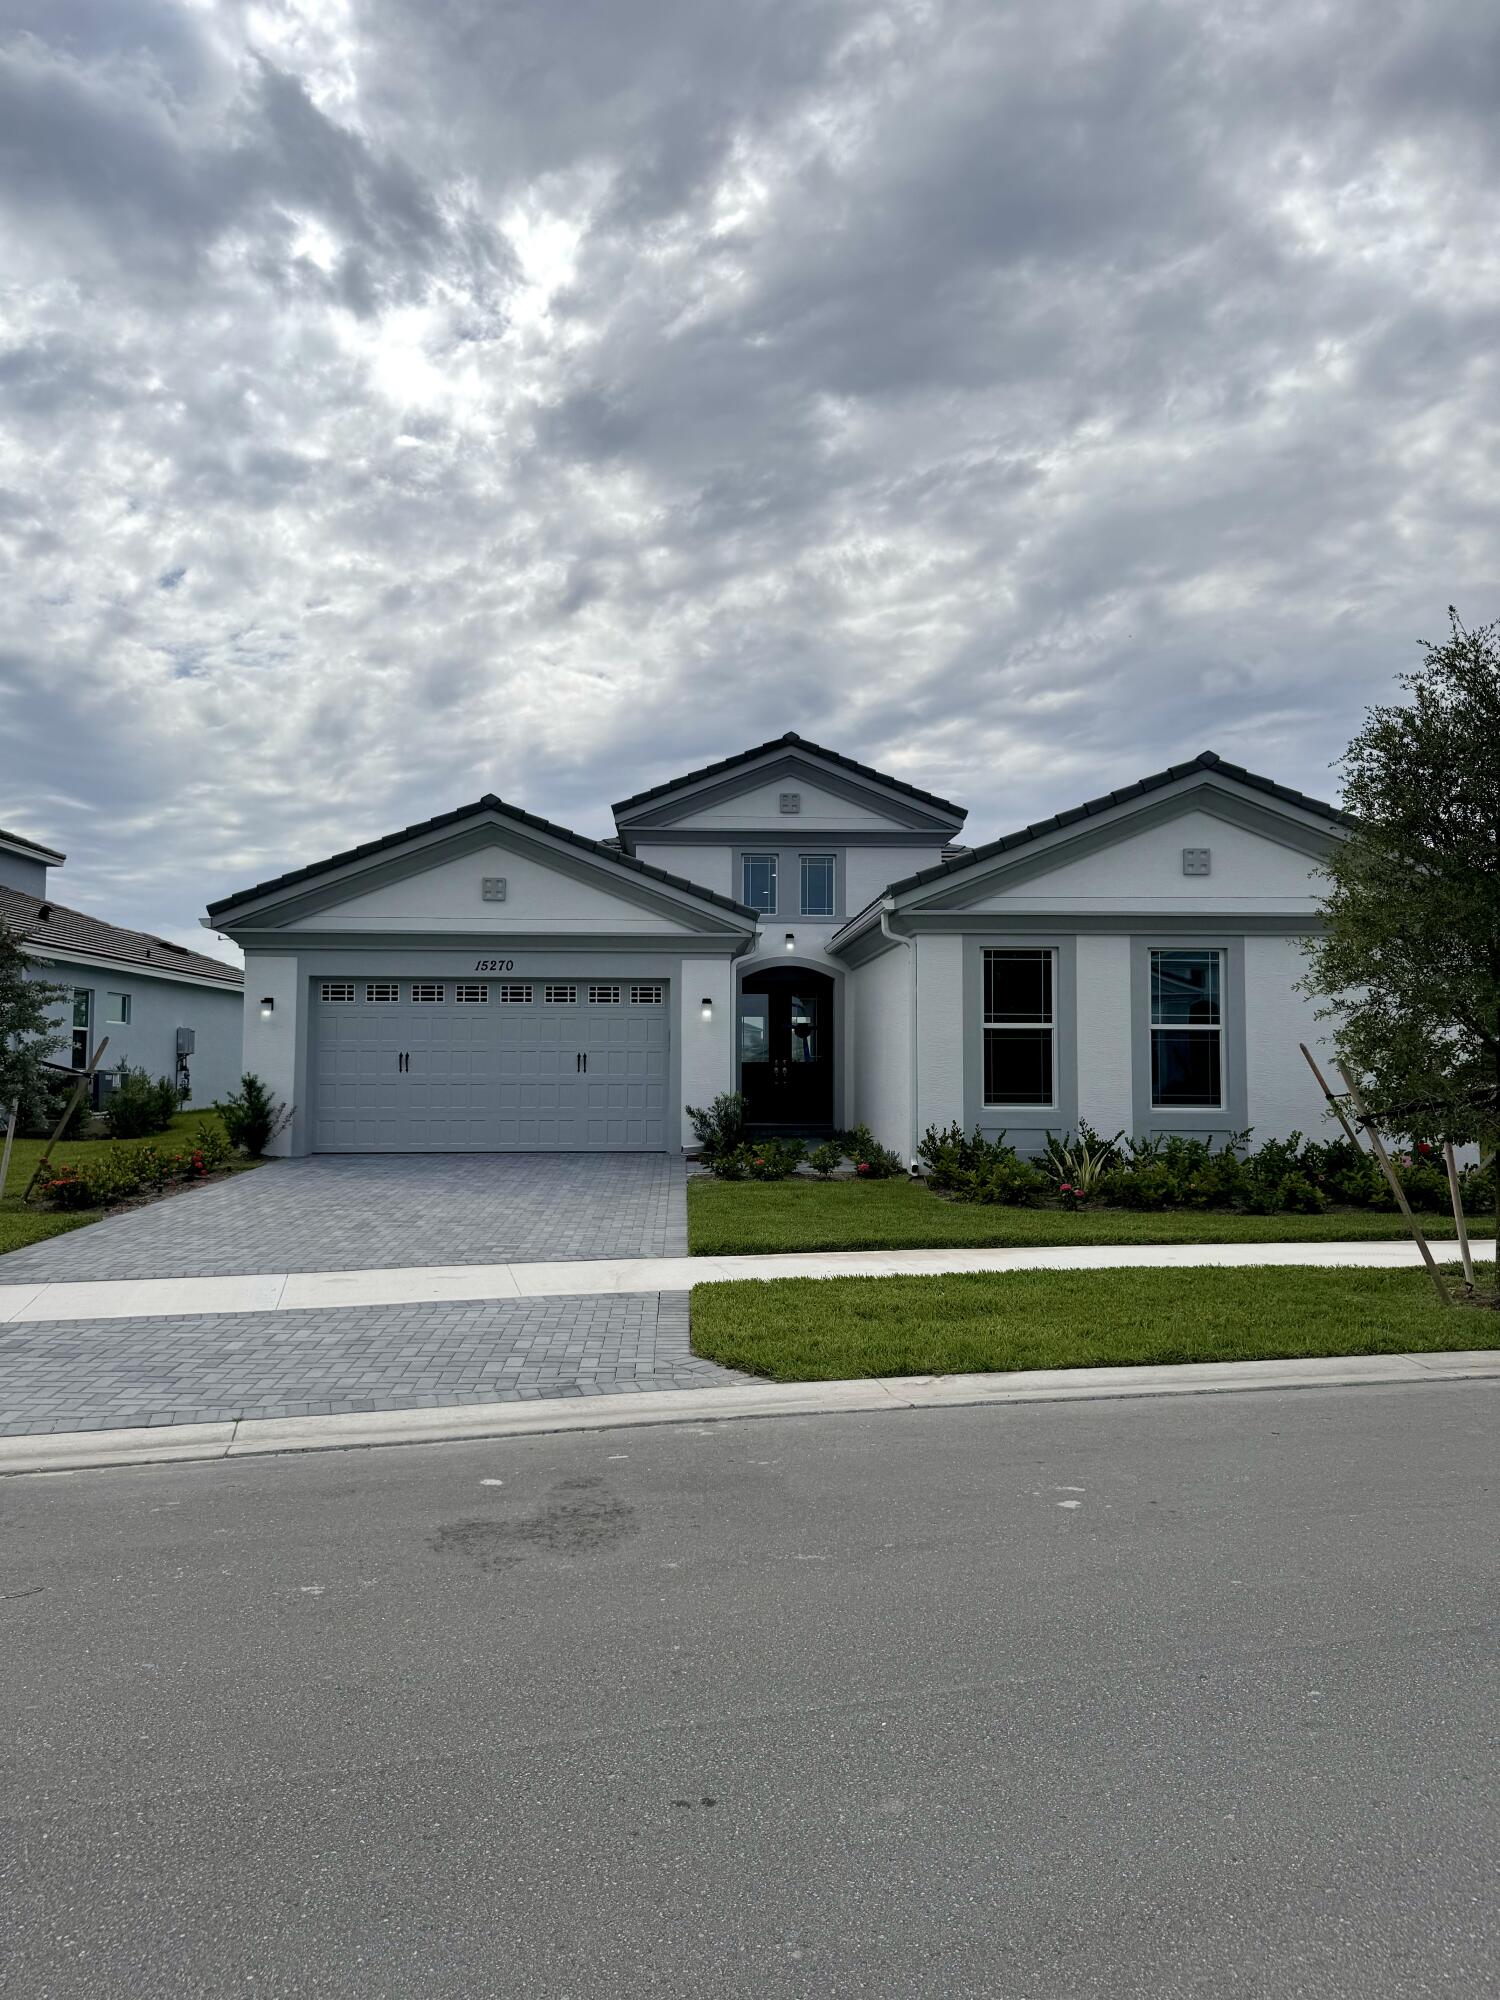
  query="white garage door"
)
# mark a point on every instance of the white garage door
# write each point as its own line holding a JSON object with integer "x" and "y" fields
{"x": 489, "y": 1065}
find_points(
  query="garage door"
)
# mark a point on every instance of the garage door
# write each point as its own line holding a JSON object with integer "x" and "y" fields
{"x": 488, "y": 1065}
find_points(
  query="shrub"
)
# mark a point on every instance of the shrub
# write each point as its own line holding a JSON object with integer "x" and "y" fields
{"x": 211, "y": 1145}
{"x": 872, "y": 1161}
{"x": 719, "y": 1128}
{"x": 1009, "y": 1181}
{"x": 825, "y": 1159}
{"x": 137, "y": 1106}
{"x": 1078, "y": 1165}
{"x": 252, "y": 1118}
{"x": 109, "y": 1175}
{"x": 760, "y": 1160}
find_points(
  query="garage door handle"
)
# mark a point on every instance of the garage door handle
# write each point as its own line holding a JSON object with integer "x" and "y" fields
{"x": 580, "y": 1063}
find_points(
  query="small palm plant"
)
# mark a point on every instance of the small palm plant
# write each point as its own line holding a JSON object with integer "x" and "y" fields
{"x": 1079, "y": 1164}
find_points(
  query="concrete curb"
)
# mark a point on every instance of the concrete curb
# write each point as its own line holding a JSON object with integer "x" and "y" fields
{"x": 80, "y": 1450}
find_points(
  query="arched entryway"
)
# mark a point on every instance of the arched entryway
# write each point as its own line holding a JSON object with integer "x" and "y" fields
{"x": 785, "y": 1034}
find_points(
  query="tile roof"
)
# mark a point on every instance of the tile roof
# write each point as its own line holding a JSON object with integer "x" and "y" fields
{"x": 489, "y": 803}
{"x": 31, "y": 846}
{"x": 72, "y": 931}
{"x": 791, "y": 741}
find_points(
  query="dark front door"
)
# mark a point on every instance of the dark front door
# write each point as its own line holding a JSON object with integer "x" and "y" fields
{"x": 786, "y": 1049}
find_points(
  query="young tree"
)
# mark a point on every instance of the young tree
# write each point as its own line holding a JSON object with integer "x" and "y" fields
{"x": 1409, "y": 959}
{"x": 28, "y": 1034}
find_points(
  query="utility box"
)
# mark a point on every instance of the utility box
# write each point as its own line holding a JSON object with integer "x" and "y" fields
{"x": 187, "y": 1041}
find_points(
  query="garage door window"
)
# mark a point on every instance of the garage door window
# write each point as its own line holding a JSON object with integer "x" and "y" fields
{"x": 427, "y": 990}
{"x": 513, "y": 996}
{"x": 560, "y": 996}
{"x": 469, "y": 995}
{"x": 647, "y": 996}
{"x": 604, "y": 996}
{"x": 382, "y": 991}
{"x": 338, "y": 992}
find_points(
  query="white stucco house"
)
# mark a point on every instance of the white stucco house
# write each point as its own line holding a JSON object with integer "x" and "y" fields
{"x": 165, "y": 1009}
{"x": 793, "y": 924}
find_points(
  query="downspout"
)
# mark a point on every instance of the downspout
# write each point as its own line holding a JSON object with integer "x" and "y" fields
{"x": 896, "y": 937}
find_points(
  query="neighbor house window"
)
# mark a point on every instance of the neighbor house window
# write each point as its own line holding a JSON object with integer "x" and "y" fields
{"x": 1018, "y": 1027}
{"x": 758, "y": 882}
{"x": 83, "y": 1007}
{"x": 117, "y": 1010}
{"x": 1187, "y": 1029}
{"x": 817, "y": 885}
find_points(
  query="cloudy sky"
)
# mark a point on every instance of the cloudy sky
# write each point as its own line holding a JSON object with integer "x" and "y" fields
{"x": 401, "y": 399}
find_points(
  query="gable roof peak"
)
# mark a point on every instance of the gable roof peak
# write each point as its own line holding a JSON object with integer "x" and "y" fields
{"x": 789, "y": 739}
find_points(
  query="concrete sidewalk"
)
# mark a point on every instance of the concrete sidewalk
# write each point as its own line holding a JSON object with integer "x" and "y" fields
{"x": 79, "y": 1450}
{"x": 154, "y": 1298}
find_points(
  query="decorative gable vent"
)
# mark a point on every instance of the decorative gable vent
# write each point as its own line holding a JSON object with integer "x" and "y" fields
{"x": 791, "y": 802}
{"x": 1196, "y": 861}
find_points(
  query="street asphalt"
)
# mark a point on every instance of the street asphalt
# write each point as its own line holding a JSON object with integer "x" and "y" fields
{"x": 1157, "y": 1698}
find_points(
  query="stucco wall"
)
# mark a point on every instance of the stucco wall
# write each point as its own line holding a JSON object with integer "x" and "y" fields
{"x": 1283, "y": 1096}
{"x": 940, "y": 1033}
{"x": 158, "y": 1008}
{"x": 274, "y": 1045}
{"x": 1104, "y": 1042}
{"x": 879, "y": 1011}
{"x": 707, "y": 1047}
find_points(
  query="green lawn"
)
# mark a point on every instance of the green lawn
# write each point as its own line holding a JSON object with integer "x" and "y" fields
{"x": 20, "y": 1226}
{"x": 834, "y": 1329}
{"x": 726, "y": 1218}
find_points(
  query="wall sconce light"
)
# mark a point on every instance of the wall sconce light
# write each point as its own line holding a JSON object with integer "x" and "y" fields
{"x": 791, "y": 940}
{"x": 267, "y": 1008}
{"x": 708, "y": 1007}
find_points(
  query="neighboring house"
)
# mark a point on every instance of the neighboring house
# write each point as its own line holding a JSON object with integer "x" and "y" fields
{"x": 166, "y": 1010}
{"x": 797, "y": 926}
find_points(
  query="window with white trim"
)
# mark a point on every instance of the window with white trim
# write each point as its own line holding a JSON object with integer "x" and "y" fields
{"x": 428, "y": 991}
{"x": 647, "y": 996}
{"x": 1019, "y": 1027}
{"x": 338, "y": 992}
{"x": 559, "y": 996}
{"x": 604, "y": 996}
{"x": 382, "y": 992}
{"x": 1187, "y": 1030}
{"x": 471, "y": 993}
{"x": 817, "y": 885}
{"x": 758, "y": 882}
{"x": 117, "y": 1010}
{"x": 513, "y": 995}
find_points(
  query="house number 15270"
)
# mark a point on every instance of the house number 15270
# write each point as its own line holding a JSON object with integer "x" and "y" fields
{"x": 494, "y": 965}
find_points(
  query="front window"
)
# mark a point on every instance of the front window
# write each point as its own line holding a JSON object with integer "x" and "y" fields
{"x": 758, "y": 882}
{"x": 817, "y": 885}
{"x": 117, "y": 1010}
{"x": 1187, "y": 1030}
{"x": 1018, "y": 1027}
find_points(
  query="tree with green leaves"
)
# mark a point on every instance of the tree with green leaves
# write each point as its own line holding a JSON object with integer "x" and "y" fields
{"x": 1409, "y": 958}
{"x": 28, "y": 1032}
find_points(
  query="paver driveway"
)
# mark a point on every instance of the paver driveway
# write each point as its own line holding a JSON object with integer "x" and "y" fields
{"x": 364, "y": 1212}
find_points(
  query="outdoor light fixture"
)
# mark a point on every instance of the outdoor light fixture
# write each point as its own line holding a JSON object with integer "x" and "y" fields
{"x": 791, "y": 940}
{"x": 267, "y": 1007}
{"x": 708, "y": 1008}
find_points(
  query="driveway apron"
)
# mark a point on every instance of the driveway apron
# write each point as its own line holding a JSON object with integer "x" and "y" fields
{"x": 358, "y": 1213}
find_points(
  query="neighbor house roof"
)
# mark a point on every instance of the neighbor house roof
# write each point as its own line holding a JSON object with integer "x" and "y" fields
{"x": 1206, "y": 760}
{"x": 790, "y": 741}
{"x": 71, "y": 931}
{"x": 488, "y": 804}
{"x": 31, "y": 847}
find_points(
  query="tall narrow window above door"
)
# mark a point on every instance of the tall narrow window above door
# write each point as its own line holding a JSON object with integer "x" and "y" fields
{"x": 817, "y": 885}
{"x": 758, "y": 882}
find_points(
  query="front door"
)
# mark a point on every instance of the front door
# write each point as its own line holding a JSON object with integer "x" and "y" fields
{"x": 786, "y": 1049}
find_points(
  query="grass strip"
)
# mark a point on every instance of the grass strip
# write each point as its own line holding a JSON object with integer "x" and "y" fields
{"x": 836, "y": 1329}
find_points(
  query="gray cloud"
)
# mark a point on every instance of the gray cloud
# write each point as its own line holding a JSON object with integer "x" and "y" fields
{"x": 438, "y": 396}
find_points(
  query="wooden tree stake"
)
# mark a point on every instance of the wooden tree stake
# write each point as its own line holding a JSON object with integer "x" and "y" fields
{"x": 1377, "y": 1147}
{"x": 10, "y": 1133}
{"x": 85, "y": 1077}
